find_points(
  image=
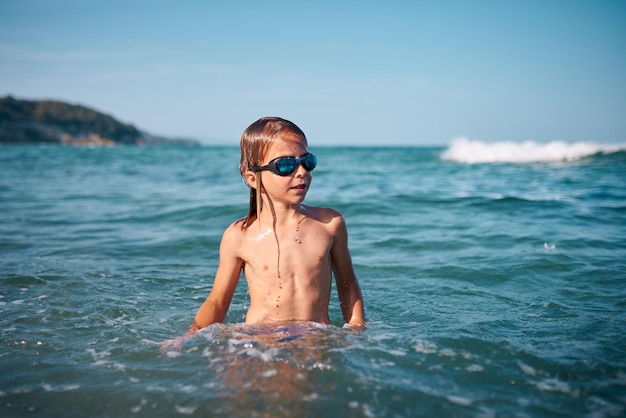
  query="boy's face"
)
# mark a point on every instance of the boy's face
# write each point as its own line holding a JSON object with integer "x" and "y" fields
{"x": 292, "y": 188}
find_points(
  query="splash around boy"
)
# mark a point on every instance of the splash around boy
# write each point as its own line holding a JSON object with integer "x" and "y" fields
{"x": 288, "y": 251}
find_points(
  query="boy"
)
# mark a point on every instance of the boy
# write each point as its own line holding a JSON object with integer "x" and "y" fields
{"x": 288, "y": 251}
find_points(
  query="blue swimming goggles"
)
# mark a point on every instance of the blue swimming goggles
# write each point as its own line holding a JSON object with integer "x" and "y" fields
{"x": 283, "y": 166}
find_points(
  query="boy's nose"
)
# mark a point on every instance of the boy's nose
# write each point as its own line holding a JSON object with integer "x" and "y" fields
{"x": 300, "y": 170}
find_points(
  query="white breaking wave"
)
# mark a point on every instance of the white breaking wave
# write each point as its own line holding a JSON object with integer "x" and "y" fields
{"x": 469, "y": 151}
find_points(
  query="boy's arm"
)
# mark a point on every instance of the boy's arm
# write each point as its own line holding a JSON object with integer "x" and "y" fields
{"x": 348, "y": 287}
{"x": 216, "y": 305}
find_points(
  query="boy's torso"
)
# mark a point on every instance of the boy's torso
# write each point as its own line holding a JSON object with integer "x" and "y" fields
{"x": 289, "y": 268}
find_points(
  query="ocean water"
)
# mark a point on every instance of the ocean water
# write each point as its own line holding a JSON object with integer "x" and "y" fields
{"x": 494, "y": 280}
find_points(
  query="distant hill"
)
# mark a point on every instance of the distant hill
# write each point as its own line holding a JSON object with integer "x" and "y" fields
{"x": 56, "y": 122}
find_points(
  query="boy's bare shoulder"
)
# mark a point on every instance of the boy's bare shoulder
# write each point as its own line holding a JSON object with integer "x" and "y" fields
{"x": 327, "y": 216}
{"x": 234, "y": 233}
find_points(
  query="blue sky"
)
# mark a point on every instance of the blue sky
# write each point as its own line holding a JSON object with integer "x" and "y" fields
{"x": 351, "y": 72}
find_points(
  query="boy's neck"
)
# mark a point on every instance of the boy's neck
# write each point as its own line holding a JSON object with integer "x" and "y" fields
{"x": 282, "y": 214}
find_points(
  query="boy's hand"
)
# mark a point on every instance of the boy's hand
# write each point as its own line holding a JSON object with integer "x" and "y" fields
{"x": 356, "y": 326}
{"x": 174, "y": 344}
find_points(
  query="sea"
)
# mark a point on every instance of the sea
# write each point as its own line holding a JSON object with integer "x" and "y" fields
{"x": 493, "y": 276}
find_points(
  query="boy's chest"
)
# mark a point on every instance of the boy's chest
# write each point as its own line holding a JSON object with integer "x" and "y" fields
{"x": 304, "y": 248}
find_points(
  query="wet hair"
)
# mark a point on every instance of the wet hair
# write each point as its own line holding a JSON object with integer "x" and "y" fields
{"x": 255, "y": 144}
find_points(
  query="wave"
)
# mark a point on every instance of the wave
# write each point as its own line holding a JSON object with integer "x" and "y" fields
{"x": 469, "y": 151}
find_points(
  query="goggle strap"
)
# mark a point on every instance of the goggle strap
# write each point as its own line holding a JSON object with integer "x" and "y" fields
{"x": 259, "y": 199}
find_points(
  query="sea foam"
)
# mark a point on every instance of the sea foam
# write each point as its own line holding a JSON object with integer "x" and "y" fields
{"x": 469, "y": 151}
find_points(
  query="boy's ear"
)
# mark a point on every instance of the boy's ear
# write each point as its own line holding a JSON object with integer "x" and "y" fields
{"x": 249, "y": 177}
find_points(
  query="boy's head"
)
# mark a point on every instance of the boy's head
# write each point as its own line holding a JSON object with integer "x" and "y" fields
{"x": 258, "y": 137}
{"x": 255, "y": 145}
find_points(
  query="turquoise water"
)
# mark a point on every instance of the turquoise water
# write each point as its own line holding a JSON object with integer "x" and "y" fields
{"x": 491, "y": 289}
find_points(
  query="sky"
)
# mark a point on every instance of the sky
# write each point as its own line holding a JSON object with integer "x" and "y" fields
{"x": 415, "y": 73}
